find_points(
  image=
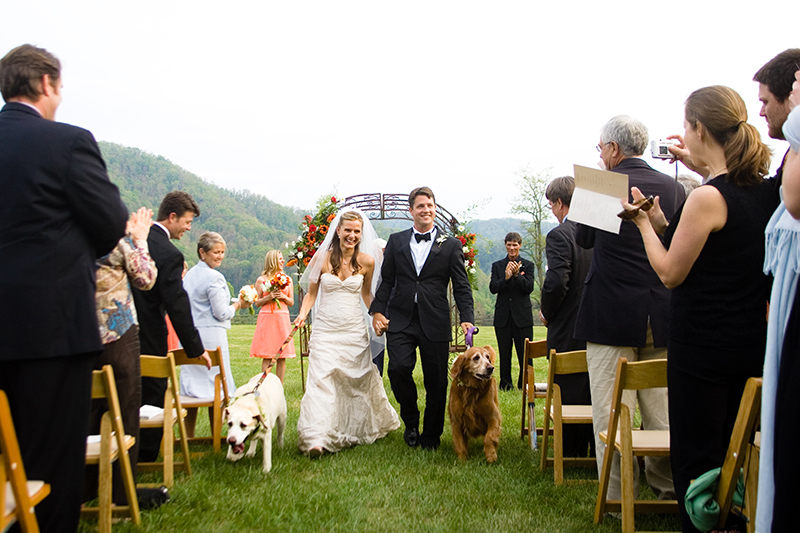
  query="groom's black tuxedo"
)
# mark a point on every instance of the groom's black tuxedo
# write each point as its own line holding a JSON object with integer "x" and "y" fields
{"x": 424, "y": 324}
{"x": 445, "y": 262}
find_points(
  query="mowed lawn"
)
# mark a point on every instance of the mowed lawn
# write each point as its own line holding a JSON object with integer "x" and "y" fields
{"x": 385, "y": 486}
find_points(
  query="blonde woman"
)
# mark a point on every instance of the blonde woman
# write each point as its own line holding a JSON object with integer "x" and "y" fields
{"x": 273, "y": 326}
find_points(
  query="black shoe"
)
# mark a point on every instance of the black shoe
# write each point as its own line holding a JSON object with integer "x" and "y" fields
{"x": 411, "y": 436}
{"x": 150, "y": 499}
{"x": 428, "y": 444}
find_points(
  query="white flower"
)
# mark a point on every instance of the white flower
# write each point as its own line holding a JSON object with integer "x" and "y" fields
{"x": 248, "y": 293}
{"x": 472, "y": 270}
{"x": 286, "y": 244}
{"x": 465, "y": 249}
{"x": 441, "y": 239}
{"x": 461, "y": 228}
{"x": 466, "y": 264}
{"x": 294, "y": 243}
{"x": 299, "y": 255}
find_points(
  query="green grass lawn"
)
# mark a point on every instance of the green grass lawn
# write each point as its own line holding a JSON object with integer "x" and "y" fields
{"x": 384, "y": 486}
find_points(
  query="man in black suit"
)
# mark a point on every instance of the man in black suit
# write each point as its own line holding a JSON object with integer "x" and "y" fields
{"x": 624, "y": 307}
{"x": 175, "y": 216}
{"x": 418, "y": 264}
{"x": 512, "y": 282}
{"x": 59, "y": 212}
{"x": 567, "y": 266}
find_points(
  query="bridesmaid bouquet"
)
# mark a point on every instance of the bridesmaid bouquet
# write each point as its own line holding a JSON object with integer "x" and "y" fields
{"x": 248, "y": 294}
{"x": 278, "y": 282}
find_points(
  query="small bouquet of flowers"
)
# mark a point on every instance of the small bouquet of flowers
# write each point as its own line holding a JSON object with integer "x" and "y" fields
{"x": 278, "y": 282}
{"x": 248, "y": 294}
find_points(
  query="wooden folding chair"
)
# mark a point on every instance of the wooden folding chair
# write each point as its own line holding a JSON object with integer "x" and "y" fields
{"x": 531, "y": 390}
{"x": 752, "y": 456}
{"x": 629, "y": 443}
{"x": 217, "y": 403}
{"x": 743, "y": 437}
{"x": 18, "y": 496}
{"x": 560, "y": 414}
{"x": 173, "y": 414}
{"x": 113, "y": 446}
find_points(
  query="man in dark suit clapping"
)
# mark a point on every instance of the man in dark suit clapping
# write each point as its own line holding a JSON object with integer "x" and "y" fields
{"x": 419, "y": 263}
{"x": 59, "y": 212}
{"x": 567, "y": 266}
{"x": 512, "y": 282}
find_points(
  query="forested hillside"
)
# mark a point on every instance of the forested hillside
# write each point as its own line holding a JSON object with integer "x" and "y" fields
{"x": 252, "y": 224}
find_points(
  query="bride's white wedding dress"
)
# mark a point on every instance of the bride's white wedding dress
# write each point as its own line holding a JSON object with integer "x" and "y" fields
{"x": 345, "y": 402}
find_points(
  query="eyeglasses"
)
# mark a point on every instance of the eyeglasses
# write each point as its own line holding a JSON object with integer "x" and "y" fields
{"x": 602, "y": 144}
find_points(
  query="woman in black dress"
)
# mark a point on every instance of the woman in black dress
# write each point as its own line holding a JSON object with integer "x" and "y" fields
{"x": 712, "y": 255}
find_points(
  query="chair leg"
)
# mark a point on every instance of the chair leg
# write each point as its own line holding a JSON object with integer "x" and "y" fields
{"x": 626, "y": 473}
{"x": 545, "y": 436}
{"x": 187, "y": 464}
{"x": 168, "y": 447}
{"x": 602, "y": 490}
{"x": 105, "y": 472}
{"x": 216, "y": 431}
{"x": 558, "y": 451}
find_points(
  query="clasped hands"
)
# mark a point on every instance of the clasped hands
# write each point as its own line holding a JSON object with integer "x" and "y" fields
{"x": 381, "y": 324}
{"x": 513, "y": 269}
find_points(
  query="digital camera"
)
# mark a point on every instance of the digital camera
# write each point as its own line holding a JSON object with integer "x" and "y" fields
{"x": 660, "y": 148}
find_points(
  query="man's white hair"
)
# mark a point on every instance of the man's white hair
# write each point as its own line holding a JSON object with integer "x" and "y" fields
{"x": 630, "y": 135}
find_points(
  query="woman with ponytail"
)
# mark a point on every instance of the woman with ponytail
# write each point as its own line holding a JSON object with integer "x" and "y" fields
{"x": 712, "y": 255}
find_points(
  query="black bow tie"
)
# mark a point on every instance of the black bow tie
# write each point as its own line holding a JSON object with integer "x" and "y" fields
{"x": 422, "y": 236}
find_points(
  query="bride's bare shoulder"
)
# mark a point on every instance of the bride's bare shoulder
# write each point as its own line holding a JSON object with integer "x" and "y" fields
{"x": 366, "y": 259}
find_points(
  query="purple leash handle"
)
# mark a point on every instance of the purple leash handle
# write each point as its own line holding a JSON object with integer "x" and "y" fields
{"x": 468, "y": 337}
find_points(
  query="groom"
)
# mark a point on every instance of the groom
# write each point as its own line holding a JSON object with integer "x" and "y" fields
{"x": 418, "y": 264}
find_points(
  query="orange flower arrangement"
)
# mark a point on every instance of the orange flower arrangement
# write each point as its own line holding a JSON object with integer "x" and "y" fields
{"x": 313, "y": 228}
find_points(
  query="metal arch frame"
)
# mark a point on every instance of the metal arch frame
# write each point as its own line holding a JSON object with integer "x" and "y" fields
{"x": 380, "y": 206}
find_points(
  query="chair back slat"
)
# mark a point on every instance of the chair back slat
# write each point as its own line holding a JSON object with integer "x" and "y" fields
{"x": 155, "y": 366}
{"x": 569, "y": 362}
{"x": 646, "y": 375}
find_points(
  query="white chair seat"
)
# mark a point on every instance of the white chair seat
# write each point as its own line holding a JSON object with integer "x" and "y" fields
{"x": 191, "y": 401}
{"x": 157, "y": 421}
{"x": 577, "y": 414}
{"x": 540, "y": 387}
{"x": 654, "y": 443}
{"x": 33, "y": 486}
{"x": 93, "y": 447}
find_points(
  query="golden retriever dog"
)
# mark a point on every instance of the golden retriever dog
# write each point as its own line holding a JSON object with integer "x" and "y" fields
{"x": 474, "y": 409}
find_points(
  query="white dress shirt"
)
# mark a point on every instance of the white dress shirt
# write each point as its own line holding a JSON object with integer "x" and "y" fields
{"x": 421, "y": 249}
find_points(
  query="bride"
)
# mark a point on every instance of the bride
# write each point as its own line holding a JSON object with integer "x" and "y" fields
{"x": 345, "y": 402}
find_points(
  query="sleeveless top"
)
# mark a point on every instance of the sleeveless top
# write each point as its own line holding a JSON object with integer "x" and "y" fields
{"x": 722, "y": 301}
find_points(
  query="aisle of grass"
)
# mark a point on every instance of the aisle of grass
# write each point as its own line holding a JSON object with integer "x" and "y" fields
{"x": 385, "y": 486}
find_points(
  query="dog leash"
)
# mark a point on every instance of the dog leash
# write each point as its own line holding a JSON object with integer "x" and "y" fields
{"x": 468, "y": 337}
{"x": 272, "y": 359}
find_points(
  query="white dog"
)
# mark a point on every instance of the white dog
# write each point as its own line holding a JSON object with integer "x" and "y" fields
{"x": 255, "y": 415}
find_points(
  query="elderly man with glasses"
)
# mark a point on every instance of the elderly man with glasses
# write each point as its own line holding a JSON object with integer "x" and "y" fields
{"x": 624, "y": 306}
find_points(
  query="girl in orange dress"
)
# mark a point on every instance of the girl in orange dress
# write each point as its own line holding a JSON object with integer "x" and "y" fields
{"x": 273, "y": 324}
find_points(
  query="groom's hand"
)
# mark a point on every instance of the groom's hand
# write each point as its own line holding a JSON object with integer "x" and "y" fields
{"x": 379, "y": 323}
{"x": 465, "y": 326}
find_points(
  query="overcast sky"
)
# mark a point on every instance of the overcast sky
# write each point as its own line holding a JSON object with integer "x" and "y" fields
{"x": 300, "y": 98}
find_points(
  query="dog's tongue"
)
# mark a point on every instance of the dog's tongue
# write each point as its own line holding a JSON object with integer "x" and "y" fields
{"x": 239, "y": 448}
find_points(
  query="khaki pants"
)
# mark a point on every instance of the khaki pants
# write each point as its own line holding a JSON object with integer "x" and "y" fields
{"x": 602, "y": 362}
